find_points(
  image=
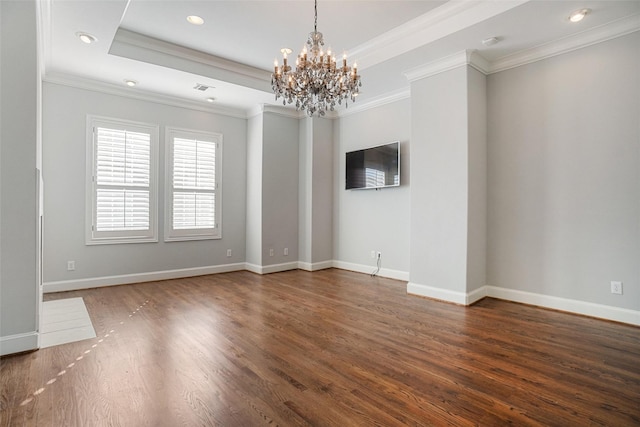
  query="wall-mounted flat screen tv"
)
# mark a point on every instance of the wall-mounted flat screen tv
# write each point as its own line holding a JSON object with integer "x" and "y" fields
{"x": 374, "y": 167}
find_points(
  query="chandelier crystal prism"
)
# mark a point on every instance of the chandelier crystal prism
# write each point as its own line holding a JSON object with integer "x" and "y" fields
{"x": 317, "y": 84}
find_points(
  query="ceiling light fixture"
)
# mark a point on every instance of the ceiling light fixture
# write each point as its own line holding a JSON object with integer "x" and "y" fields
{"x": 195, "y": 20}
{"x": 490, "y": 41}
{"x": 130, "y": 83}
{"x": 579, "y": 15}
{"x": 86, "y": 37}
{"x": 317, "y": 83}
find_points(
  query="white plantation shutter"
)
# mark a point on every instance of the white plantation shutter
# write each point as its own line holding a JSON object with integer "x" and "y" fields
{"x": 122, "y": 175}
{"x": 194, "y": 186}
{"x": 123, "y": 170}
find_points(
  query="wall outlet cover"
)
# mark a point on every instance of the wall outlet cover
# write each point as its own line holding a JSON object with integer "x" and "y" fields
{"x": 616, "y": 288}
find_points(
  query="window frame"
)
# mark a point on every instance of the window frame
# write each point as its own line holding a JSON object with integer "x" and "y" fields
{"x": 176, "y": 235}
{"x": 92, "y": 236}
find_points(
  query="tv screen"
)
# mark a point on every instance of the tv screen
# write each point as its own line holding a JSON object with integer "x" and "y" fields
{"x": 375, "y": 167}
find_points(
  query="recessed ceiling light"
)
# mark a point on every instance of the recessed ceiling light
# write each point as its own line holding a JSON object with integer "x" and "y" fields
{"x": 195, "y": 20}
{"x": 86, "y": 37}
{"x": 130, "y": 83}
{"x": 210, "y": 100}
{"x": 579, "y": 15}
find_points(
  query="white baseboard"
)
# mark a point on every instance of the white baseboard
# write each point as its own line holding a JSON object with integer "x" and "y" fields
{"x": 308, "y": 266}
{"x": 29, "y": 341}
{"x": 124, "y": 279}
{"x": 563, "y": 304}
{"x": 437, "y": 293}
{"x": 274, "y": 268}
{"x": 585, "y": 308}
{"x": 18, "y": 343}
{"x": 360, "y": 268}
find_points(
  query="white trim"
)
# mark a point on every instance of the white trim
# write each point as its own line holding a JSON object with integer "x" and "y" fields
{"x": 254, "y": 268}
{"x": 378, "y": 101}
{"x": 125, "y": 279}
{"x": 273, "y": 268}
{"x": 546, "y": 301}
{"x": 440, "y": 22}
{"x": 315, "y": 266}
{"x": 282, "y": 110}
{"x": 29, "y": 341}
{"x": 95, "y": 237}
{"x": 585, "y": 308}
{"x": 133, "y": 93}
{"x": 259, "y": 77}
{"x": 590, "y": 37}
{"x": 18, "y": 343}
{"x": 171, "y": 234}
{"x": 476, "y": 295}
{"x": 286, "y": 111}
{"x": 437, "y": 293}
{"x": 458, "y": 59}
{"x": 368, "y": 269}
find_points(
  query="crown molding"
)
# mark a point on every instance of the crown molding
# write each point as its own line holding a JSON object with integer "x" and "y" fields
{"x": 472, "y": 58}
{"x": 459, "y": 59}
{"x": 378, "y": 101}
{"x": 132, "y": 93}
{"x": 286, "y": 112}
{"x": 132, "y": 45}
{"x": 43, "y": 13}
{"x": 282, "y": 111}
{"x": 440, "y": 22}
{"x": 586, "y": 38}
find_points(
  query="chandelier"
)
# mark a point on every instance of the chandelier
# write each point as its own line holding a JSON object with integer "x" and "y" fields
{"x": 317, "y": 84}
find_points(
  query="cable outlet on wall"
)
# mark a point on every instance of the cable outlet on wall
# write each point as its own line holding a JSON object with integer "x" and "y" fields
{"x": 71, "y": 265}
{"x": 616, "y": 288}
{"x": 286, "y": 251}
{"x": 378, "y": 254}
{"x": 228, "y": 252}
{"x": 270, "y": 252}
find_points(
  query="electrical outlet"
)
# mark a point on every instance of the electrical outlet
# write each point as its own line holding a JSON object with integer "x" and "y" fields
{"x": 228, "y": 252}
{"x": 373, "y": 254}
{"x": 286, "y": 251}
{"x": 71, "y": 265}
{"x": 270, "y": 252}
{"x": 616, "y": 288}
{"x": 378, "y": 255}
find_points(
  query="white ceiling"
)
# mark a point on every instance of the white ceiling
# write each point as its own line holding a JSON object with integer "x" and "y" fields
{"x": 151, "y": 42}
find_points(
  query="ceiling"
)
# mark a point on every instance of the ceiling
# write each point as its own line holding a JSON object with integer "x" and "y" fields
{"x": 151, "y": 42}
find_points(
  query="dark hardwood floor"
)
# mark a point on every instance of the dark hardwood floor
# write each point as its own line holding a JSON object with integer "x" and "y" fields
{"x": 329, "y": 348}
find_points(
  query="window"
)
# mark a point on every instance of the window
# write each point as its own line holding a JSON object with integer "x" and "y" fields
{"x": 121, "y": 181}
{"x": 193, "y": 185}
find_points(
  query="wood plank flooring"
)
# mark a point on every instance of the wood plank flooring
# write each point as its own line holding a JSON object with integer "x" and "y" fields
{"x": 329, "y": 348}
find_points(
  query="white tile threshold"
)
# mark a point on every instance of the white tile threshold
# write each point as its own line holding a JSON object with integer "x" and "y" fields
{"x": 65, "y": 321}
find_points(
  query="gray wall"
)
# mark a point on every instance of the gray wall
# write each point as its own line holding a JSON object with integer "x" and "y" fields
{"x": 19, "y": 110}
{"x": 305, "y": 190}
{"x": 564, "y": 175}
{"x": 322, "y": 175}
{"x": 64, "y": 144}
{"x": 279, "y": 189}
{"x": 370, "y": 220}
{"x": 439, "y": 180}
{"x": 254, "y": 190}
{"x": 477, "y": 180}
